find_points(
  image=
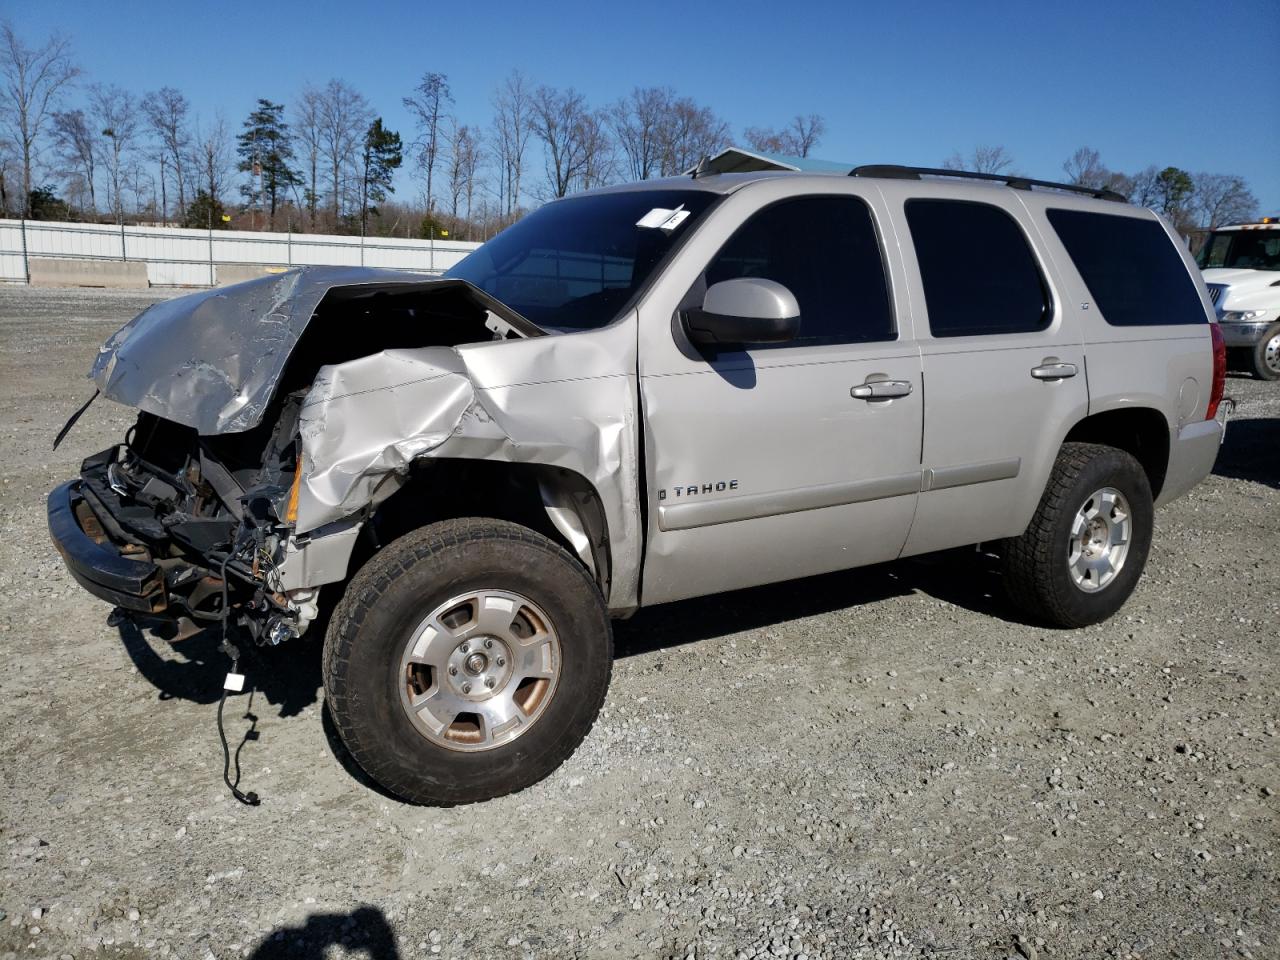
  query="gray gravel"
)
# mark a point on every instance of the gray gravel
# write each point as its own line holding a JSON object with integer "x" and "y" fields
{"x": 884, "y": 763}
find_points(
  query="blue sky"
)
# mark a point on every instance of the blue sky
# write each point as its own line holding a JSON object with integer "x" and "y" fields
{"x": 1193, "y": 85}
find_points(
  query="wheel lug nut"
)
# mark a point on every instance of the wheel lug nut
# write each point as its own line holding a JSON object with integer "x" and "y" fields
{"x": 453, "y": 671}
{"x": 502, "y": 661}
{"x": 488, "y": 682}
{"x": 466, "y": 688}
{"x": 465, "y": 647}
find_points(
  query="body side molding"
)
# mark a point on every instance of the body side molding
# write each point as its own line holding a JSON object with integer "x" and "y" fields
{"x": 705, "y": 513}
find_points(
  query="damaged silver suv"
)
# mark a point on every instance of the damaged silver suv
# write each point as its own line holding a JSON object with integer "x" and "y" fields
{"x": 633, "y": 396}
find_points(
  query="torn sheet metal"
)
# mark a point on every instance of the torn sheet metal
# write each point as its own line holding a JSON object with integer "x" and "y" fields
{"x": 211, "y": 360}
{"x": 566, "y": 401}
{"x": 364, "y": 422}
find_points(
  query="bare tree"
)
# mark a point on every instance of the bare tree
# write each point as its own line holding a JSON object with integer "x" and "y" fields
{"x": 10, "y": 167}
{"x": 805, "y": 132}
{"x": 1222, "y": 198}
{"x": 1144, "y": 187}
{"x": 213, "y": 158}
{"x": 689, "y": 133}
{"x": 472, "y": 173}
{"x": 598, "y": 161}
{"x": 33, "y": 80}
{"x": 428, "y": 105}
{"x": 985, "y": 159}
{"x": 638, "y": 121}
{"x": 459, "y": 139}
{"x": 796, "y": 139}
{"x": 1085, "y": 168}
{"x": 307, "y": 124}
{"x": 78, "y": 146}
{"x": 345, "y": 115}
{"x": 463, "y": 163}
{"x": 142, "y": 184}
{"x": 511, "y": 131}
{"x": 115, "y": 112}
{"x": 557, "y": 120}
{"x": 166, "y": 112}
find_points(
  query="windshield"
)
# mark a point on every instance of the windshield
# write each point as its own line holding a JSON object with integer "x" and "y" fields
{"x": 574, "y": 264}
{"x": 1242, "y": 249}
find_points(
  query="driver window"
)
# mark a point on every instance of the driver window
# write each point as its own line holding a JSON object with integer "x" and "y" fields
{"x": 824, "y": 250}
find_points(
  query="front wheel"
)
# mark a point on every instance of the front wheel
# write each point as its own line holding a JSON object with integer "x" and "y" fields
{"x": 466, "y": 661}
{"x": 1266, "y": 355}
{"x": 1081, "y": 557}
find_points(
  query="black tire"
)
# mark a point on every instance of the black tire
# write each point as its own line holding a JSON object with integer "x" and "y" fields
{"x": 390, "y": 597}
{"x": 1265, "y": 356}
{"x": 1036, "y": 570}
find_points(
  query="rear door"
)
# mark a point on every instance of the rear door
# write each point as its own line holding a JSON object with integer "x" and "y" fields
{"x": 1004, "y": 373}
{"x": 767, "y": 463}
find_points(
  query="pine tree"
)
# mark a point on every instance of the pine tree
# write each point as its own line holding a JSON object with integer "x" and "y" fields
{"x": 383, "y": 154}
{"x": 265, "y": 150}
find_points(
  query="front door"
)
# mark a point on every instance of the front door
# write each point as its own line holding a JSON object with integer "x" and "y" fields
{"x": 774, "y": 462}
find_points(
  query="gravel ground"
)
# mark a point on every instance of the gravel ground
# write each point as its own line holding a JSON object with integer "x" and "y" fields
{"x": 883, "y": 763}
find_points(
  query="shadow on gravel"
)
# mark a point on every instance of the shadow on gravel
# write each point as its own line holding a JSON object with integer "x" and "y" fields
{"x": 289, "y": 677}
{"x": 348, "y": 762}
{"x": 193, "y": 669}
{"x": 1251, "y": 451}
{"x": 364, "y": 930}
{"x": 962, "y": 577}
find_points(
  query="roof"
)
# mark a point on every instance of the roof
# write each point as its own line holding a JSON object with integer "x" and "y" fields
{"x": 739, "y": 160}
{"x": 735, "y": 167}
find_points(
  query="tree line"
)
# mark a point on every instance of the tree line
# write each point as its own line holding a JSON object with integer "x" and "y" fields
{"x": 327, "y": 161}
{"x": 1193, "y": 202}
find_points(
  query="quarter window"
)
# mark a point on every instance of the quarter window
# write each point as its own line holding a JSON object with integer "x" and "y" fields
{"x": 825, "y": 251}
{"x": 1134, "y": 273}
{"x": 979, "y": 275}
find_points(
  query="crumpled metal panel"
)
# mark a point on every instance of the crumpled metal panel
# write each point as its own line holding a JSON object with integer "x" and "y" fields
{"x": 565, "y": 401}
{"x": 363, "y": 422}
{"x": 211, "y": 360}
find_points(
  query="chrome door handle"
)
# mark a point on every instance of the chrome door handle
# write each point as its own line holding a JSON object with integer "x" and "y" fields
{"x": 881, "y": 390}
{"x": 1054, "y": 371}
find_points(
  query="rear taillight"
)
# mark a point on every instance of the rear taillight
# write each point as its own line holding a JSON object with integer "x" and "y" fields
{"x": 1219, "y": 371}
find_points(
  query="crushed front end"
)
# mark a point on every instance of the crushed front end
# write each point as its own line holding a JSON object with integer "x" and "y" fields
{"x": 194, "y": 518}
{"x": 189, "y": 528}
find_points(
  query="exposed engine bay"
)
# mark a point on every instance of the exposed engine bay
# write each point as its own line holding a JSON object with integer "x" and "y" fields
{"x": 207, "y": 483}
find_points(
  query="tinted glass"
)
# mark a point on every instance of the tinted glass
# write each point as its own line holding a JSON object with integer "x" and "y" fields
{"x": 1132, "y": 269}
{"x": 574, "y": 264}
{"x": 978, "y": 272}
{"x": 1242, "y": 249}
{"x": 824, "y": 250}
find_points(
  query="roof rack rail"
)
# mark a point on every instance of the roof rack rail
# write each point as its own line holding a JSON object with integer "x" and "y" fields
{"x": 891, "y": 171}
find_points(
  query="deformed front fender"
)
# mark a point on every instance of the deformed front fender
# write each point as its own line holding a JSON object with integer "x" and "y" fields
{"x": 561, "y": 401}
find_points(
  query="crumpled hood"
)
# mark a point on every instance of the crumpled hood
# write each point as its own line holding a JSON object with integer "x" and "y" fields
{"x": 211, "y": 360}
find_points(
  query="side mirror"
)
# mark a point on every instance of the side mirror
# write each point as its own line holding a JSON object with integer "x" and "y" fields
{"x": 745, "y": 310}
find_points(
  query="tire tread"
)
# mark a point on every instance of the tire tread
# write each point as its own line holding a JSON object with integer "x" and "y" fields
{"x": 373, "y": 580}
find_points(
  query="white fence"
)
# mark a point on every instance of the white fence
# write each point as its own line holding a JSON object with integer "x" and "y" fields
{"x": 180, "y": 257}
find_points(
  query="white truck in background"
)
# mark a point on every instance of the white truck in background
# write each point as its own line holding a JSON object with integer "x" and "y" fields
{"x": 1241, "y": 266}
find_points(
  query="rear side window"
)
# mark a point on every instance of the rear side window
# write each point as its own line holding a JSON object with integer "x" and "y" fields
{"x": 825, "y": 251}
{"x": 978, "y": 272}
{"x": 1133, "y": 272}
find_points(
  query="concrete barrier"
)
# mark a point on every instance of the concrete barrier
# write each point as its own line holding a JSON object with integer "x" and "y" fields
{"x": 116, "y": 274}
{"x": 228, "y": 273}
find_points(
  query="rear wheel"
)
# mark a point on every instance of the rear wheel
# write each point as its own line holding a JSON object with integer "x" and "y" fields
{"x": 1087, "y": 544}
{"x": 467, "y": 660}
{"x": 1266, "y": 355}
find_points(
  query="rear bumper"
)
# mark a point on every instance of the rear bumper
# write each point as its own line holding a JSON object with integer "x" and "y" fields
{"x": 1191, "y": 457}
{"x": 94, "y": 561}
